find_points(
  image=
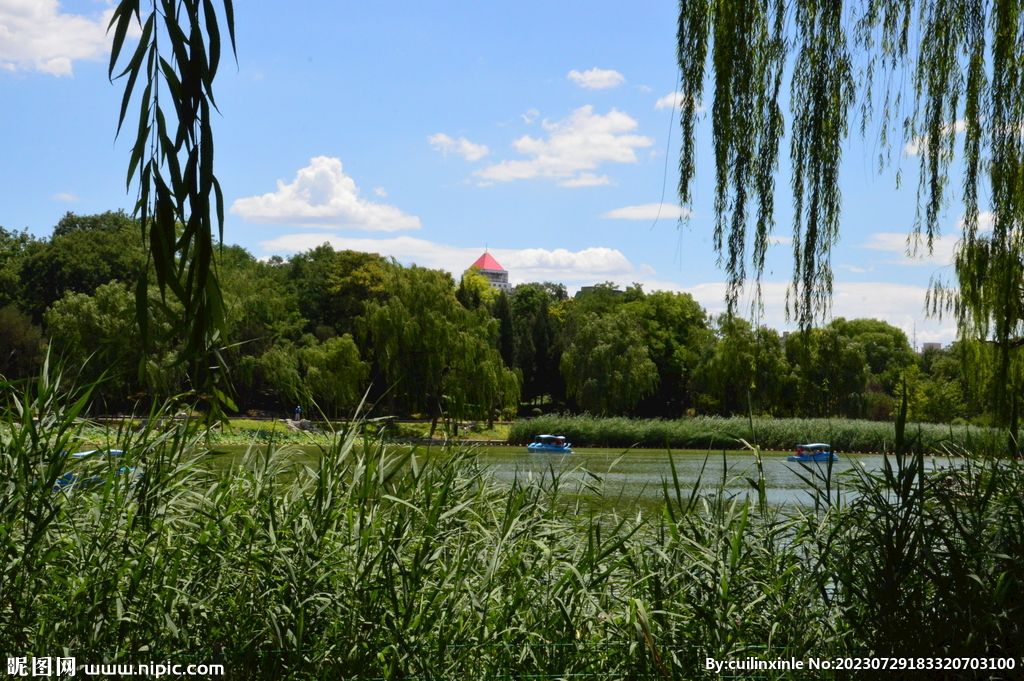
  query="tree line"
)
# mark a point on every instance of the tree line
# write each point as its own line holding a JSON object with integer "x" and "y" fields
{"x": 333, "y": 329}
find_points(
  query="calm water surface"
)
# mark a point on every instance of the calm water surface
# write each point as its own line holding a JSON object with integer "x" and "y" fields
{"x": 627, "y": 477}
{"x": 638, "y": 474}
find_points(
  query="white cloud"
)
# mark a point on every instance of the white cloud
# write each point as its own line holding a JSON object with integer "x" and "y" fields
{"x": 856, "y": 270}
{"x": 35, "y": 36}
{"x": 915, "y": 251}
{"x": 462, "y": 146}
{"x": 580, "y": 142}
{"x": 530, "y": 116}
{"x": 986, "y": 222}
{"x": 531, "y": 264}
{"x": 65, "y": 197}
{"x": 896, "y": 242}
{"x": 914, "y": 146}
{"x": 322, "y": 195}
{"x": 586, "y": 180}
{"x": 561, "y": 264}
{"x": 643, "y": 88}
{"x": 380, "y": 191}
{"x": 597, "y": 79}
{"x": 674, "y": 100}
{"x": 780, "y": 240}
{"x": 648, "y": 211}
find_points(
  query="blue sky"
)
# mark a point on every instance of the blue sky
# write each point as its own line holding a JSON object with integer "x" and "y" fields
{"x": 428, "y": 131}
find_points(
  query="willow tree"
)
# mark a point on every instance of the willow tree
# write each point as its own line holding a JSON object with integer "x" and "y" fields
{"x": 171, "y": 166}
{"x": 942, "y": 75}
{"x": 607, "y": 367}
{"x": 437, "y": 357}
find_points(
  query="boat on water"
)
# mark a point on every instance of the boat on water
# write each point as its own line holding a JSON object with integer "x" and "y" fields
{"x": 818, "y": 451}
{"x": 73, "y": 479}
{"x": 549, "y": 443}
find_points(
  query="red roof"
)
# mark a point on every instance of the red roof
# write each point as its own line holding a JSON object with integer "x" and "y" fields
{"x": 486, "y": 262}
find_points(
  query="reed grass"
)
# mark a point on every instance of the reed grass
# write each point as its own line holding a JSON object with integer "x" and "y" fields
{"x": 845, "y": 435}
{"x": 375, "y": 563}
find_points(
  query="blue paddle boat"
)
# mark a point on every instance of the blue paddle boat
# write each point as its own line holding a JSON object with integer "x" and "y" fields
{"x": 72, "y": 479}
{"x": 815, "y": 452}
{"x": 549, "y": 443}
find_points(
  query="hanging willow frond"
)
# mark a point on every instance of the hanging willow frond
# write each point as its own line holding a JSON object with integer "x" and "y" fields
{"x": 822, "y": 95}
{"x": 959, "y": 64}
{"x": 748, "y": 54}
{"x": 172, "y": 162}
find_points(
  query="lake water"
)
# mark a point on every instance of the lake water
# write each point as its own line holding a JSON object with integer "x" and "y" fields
{"x": 638, "y": 474}
{"x": 635, "y": 476}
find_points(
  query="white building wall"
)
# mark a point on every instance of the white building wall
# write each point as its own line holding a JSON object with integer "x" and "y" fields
{"x": 498, "y": 278}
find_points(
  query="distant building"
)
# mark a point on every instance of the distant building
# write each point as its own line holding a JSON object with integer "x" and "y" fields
{"x": 587, "y": 290}
{"x": 490, "y": 268}
{"x": 925, "y": 347}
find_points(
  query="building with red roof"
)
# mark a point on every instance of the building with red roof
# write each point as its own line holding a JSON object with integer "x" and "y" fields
{"x": 490, "y": 268}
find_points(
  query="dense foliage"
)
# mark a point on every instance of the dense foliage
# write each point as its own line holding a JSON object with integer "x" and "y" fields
{"x": 325, "y": 329}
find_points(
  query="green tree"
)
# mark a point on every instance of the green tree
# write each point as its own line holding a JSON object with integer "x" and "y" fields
{"x": 939, "y": 400}
{"x": 675, "y": 332}
{"x": 535, "y": 344}
{"x": 965, "y": 70}
{"x": 332, "y": 287}
{"x": 84, "y": 252}
{"x": 831, "y": 371}
{"x": 309, "y": 274}
{"x": 607, "y": 369}
{"x": 261, "y": 311}
{"x": 354, "y": 280}
{"x": 179, "y": 197}
{"x": 13, "y": 247}
{"x": 475, "y": 290}
{"x": 886, "y": 348}
{"x": 746, "y": 371}
{"x": 599, "y": 299}
{"x": 329, "y": 375}
{"x": 966, "y": 369}
{"x": 278, "y": 368}
{"x": 97, "y": 335}
{"x": 501, "y": 310}
{"x": 436, "y": 356}
{"x": 333, "y": 374}
{"x": 19, "y": 344}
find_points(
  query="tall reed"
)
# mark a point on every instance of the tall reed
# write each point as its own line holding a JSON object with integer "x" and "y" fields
{"x": 370, "y": 562}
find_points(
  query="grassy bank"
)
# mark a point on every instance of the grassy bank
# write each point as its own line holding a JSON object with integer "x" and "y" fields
{"x": 845, "y": 435}
{"x": 374, "y": 564}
